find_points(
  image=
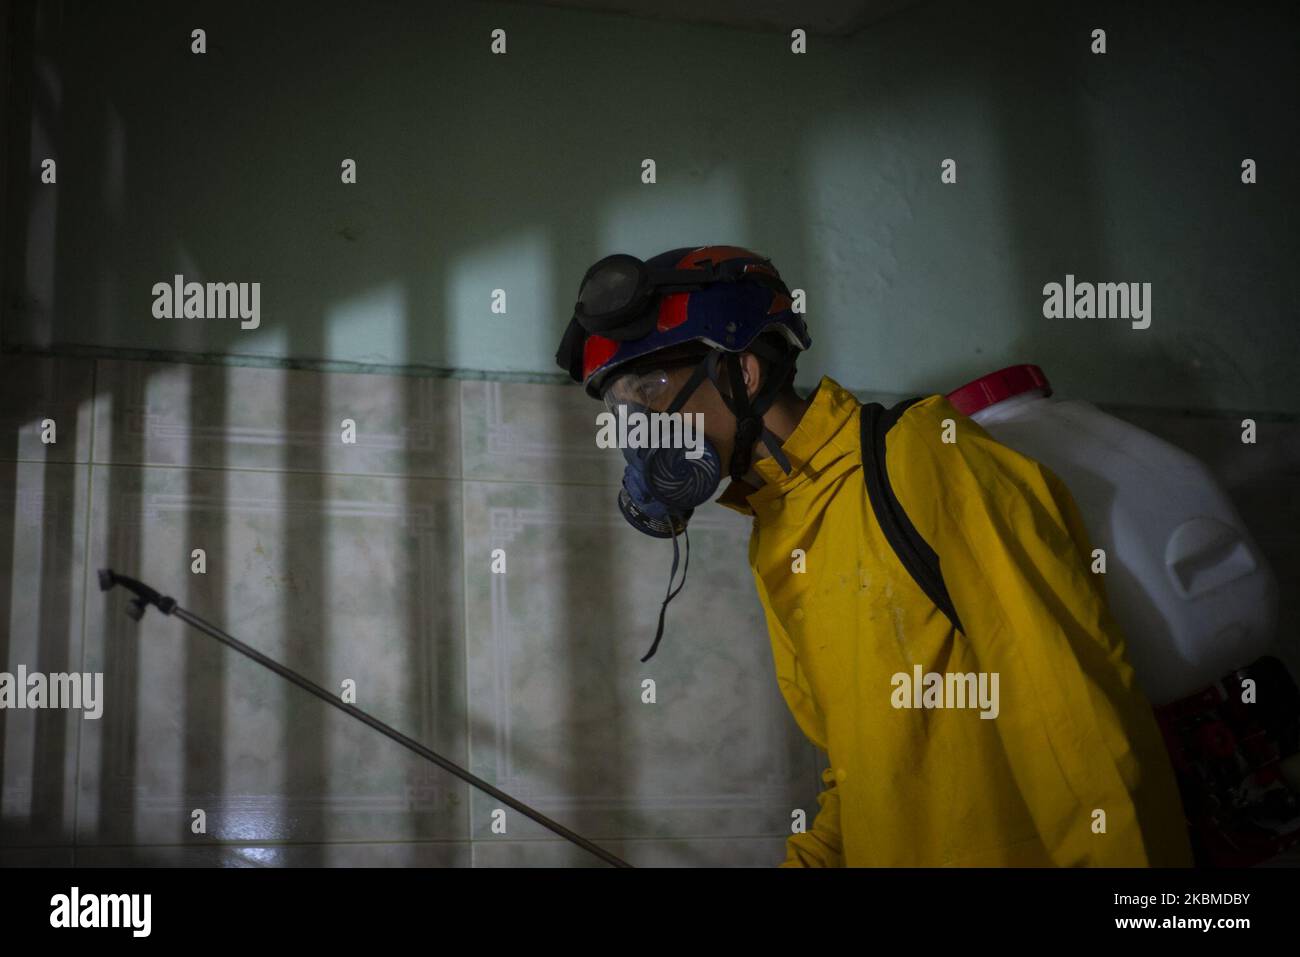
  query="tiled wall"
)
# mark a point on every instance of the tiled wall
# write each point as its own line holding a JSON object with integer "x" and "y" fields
{"x": 372, "y": 562}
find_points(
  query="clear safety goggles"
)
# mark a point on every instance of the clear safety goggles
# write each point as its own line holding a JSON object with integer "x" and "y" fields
{"x": 654, "y": 389}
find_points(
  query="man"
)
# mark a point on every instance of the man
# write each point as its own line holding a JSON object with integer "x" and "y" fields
{"x": 1062, "y": 764}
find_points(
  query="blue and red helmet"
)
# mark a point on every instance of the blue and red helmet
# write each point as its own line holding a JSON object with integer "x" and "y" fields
{"x": 722, "y": 296}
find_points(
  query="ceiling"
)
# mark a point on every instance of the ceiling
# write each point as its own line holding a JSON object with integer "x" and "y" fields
{"x": 840, "y": 18}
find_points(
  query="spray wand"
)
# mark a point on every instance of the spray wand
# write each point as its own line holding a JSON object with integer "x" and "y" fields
{"x": 146, "y": 596}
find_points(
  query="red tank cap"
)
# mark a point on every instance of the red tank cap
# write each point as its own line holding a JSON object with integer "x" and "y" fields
{"x": 996, "y": 386}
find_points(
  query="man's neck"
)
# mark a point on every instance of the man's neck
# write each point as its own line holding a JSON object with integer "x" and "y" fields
{"x": 782, "y": 419}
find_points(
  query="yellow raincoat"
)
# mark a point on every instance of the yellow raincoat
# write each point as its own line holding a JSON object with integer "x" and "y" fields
{"x": 1071, "y": 771}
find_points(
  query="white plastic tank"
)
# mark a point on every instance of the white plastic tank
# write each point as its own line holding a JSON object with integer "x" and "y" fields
{"x": 1185, "y": 580}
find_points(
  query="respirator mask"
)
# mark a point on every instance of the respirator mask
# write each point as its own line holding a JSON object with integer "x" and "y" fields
{"x": 662, "y": 486}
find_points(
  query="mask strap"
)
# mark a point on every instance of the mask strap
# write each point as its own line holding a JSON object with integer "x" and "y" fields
{"x": 659, "y": 632}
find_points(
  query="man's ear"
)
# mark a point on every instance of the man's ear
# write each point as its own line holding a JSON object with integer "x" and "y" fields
{"x": 751, "y": 368}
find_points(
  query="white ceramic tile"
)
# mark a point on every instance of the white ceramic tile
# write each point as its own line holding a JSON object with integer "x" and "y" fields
{"x": 440, "y": 854}
{"x": 703, "y": 852}
{"x": 252, "y": 417}
{"x": 339, "y": 577}
{"x": 557, "y": 718}
{"x": 534, "y": 433}
{"x": 42, "y": 577}
{"x": 36, "y": 857}
{"x": 36, "y": 388}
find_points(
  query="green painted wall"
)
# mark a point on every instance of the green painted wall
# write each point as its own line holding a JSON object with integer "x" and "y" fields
{"x": 478, "y": 171}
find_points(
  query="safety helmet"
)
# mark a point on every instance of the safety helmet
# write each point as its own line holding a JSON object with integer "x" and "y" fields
{"x": 627, "y": 309}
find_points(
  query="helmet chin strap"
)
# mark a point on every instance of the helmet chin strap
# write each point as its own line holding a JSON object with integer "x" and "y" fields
{"x": 749, "y": 413}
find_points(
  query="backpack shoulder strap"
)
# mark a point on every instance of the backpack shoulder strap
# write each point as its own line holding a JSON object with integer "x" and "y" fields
{"x": 912, "y": 550}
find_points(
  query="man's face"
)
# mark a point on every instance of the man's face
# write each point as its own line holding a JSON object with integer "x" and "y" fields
{"x": 659, "y": 388}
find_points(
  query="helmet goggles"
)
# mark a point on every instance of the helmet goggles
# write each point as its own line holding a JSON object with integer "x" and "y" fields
{"x": 616, "y": 293}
